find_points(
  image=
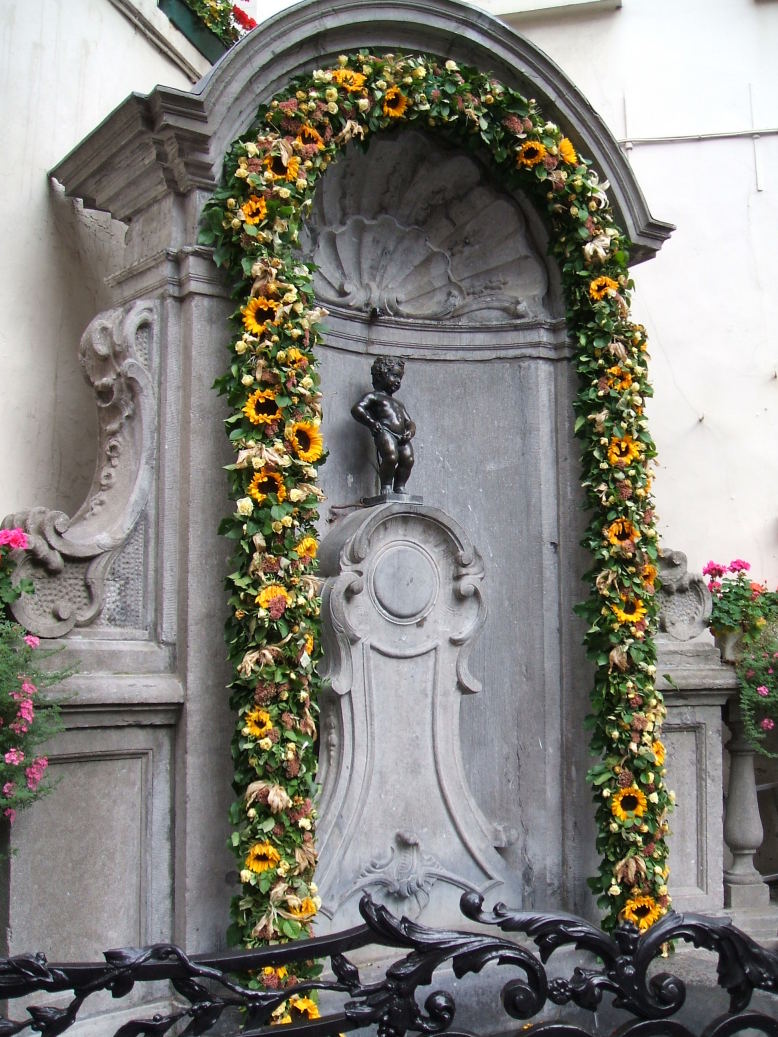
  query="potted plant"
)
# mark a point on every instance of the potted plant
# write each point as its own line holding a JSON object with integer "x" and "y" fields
{"x": 744, "y": 622}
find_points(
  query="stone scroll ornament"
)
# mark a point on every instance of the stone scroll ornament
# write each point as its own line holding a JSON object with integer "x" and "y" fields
{"x": 69, "y": 558}
{"x": 403, "y": 609}
{"x": 253, "y": 221}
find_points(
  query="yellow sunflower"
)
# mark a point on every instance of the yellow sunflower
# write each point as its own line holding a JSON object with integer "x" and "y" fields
{"x": 305, "y": 1006}
{"x": 352, "y": 81}
{"x": 280, "y": 170}
{"x": 648, "y": 574}
{"x": 642, "y": 911}
{"x": 255, "y": 209}
{"x": 623, "y": 450}
{"x": 261, "y": 857}
{"x": 395, "y": 103}
{"x": 302, "y": 909}
{"x": 622, "y": 531}
{"x": 270, "y": 593}
{"x": 602, "y": 286}
{"x": 567, "y": 151}
{"x": 258, "y": 722}
{"x": 631, "y": 610}
{"x": 629, "y": 803}
{"x": 530, "y": 153}
{"x": 296, "y": 358}
{"x": 309, "y": 135}
{"x": 264, "y": 482}
{"x": 658, "y": 749}
{"x": 307, "y": 548}
{"x": 258, "y": 313}
{"x": 309, "y": 644}
{"x": 261, "y": 407}
{"x": 619, "y": 379}
{"x": 306, "y": 441}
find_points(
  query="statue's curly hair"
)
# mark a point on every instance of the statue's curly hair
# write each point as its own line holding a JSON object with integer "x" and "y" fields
{"x": 382, "y": 365}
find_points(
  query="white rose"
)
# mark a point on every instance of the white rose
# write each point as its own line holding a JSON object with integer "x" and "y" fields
{"x": 451, "y": 66}
{"x": 245, "y": 506}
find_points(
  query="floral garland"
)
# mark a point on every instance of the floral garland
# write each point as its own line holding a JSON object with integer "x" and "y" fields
{"x": 253, "y": 220}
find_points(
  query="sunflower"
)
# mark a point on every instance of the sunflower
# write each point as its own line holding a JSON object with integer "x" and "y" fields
{"x": 631, "y": 610}
{"x": 296, "y": 358}
{"x": 261, "y": 407}
{"x": 648, "y": 574}
{"x": 602, "y": 286}
{"x": 619, "y": 379}
{"x": 302, "y": 909}
{"x": 264, "y": 482}
{"x": 567, "y": 151}
{"x": 258, "y": 722}
{"x": 261, "y": 857}
{"x": 258, "y": 313}
{"x": 309, "y": 135}
{"x": 255, "y": 209}
{"x": 658, "y": 749}
{"x": 307, "y": 548}
{"x": 623, "y": 450}
{"x": 270, "y": 593}
{"x": 281, "y": 170}
{"x": 306, "y": 441}
{"x": 642, "y": 912}
{"x": 629, "y": 803}
{"x": 530, "y": 153}
{"x": 309, "y": 644}
{"x": 395, "y": 103}
{"x": 352, "y": 81}
{"x": 622, "y": 531}
{"x": 305, "y": 1006}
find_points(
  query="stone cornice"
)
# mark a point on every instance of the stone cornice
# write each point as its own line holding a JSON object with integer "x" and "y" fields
{"x": 174, "y": 141}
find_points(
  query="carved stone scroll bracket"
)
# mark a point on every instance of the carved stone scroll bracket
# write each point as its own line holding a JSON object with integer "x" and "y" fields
{"x": 685, "y": 601}
{"x": 68, "y": 558}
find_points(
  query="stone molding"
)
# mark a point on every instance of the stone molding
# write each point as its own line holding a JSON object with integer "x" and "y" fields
{"x": 69, "y": 558}
{"x": 174, "y": 141}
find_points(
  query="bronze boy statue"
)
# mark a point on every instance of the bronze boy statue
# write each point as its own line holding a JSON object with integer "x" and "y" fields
{"x": 389, "y": 422}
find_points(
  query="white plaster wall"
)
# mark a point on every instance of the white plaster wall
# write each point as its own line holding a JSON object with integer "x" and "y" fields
{"x": 652, "y": 68}
{"x": 663, "y": 69}
{"x": 64, "y": 65}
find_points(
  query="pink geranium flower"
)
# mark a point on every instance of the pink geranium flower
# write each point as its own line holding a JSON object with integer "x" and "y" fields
{"x": 738, "y": 565}
{"x": 10, "y": 814}
{"x": 713, "y": 569}
{"x": 767, "y": 724}
{"x": 31, "y": 640}
{"x": 15, "y": 538}
{"x": 14, "y": 757}
{"x": 763, "y": 691}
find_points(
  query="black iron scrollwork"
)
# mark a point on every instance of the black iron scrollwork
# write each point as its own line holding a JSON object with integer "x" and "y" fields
{"x": 209, "y": 990}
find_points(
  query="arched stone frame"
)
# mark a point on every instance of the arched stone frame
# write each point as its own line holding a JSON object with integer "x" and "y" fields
{"x": 151, "y": 164}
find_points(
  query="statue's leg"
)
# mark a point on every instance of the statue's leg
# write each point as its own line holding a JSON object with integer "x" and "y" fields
{"x": 387, "y": 460}
{"x": 404, "y": 466}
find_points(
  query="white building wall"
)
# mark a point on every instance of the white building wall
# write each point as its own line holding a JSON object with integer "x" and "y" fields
{"x": 658, "y": 69}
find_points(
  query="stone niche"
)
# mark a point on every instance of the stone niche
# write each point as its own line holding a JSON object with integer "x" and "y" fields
{"x": 421, "y": 254}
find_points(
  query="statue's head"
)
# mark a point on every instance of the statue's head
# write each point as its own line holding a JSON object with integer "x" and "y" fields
{"x": 387, "y": 373}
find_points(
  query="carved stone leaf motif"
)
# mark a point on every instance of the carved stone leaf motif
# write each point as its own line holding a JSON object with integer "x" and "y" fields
{"x": 413, "y": 229}
{"x": 406, "y": 873}
{"x": 684, "y": 599}
{"x": 69, "y": 558}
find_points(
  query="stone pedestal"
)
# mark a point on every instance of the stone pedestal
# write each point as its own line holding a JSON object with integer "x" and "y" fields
{"x": 402, "y": 608}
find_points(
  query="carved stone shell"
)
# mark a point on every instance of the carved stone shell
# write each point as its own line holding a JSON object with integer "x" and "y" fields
{"x": 414, "y": 229}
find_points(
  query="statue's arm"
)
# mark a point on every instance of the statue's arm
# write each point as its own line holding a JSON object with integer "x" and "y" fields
{"x": 361, "y": 412}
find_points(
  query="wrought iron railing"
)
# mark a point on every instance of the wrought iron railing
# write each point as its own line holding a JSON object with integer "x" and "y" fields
{"x": 210, "y": 996}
